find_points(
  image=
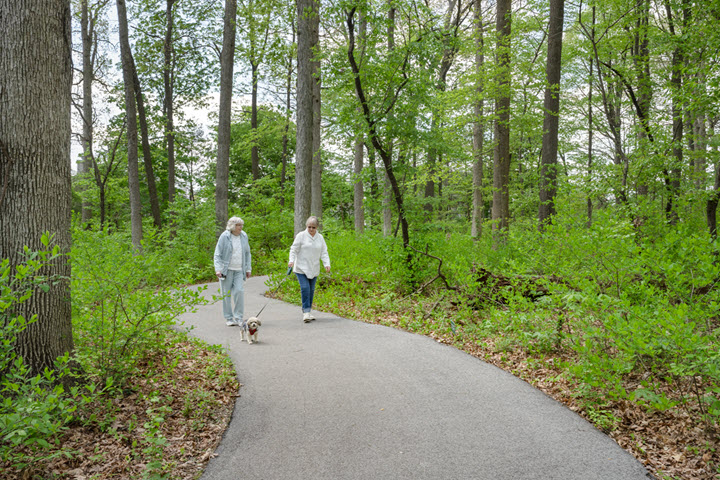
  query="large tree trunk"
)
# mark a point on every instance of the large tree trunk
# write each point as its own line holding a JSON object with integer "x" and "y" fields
{"x": 501, "y": 167}
{"x": 227, "y": 60}
{"x": 548, "y": 172}
{"x": 478, "y": 125}
{"x": 131, "y": 114}
{"x": 316, "y": 204}
{"x": 87, "y": 27}
{"x": 35, "y": 191}
{"x": 305, "y": 85}
{"x": 285, "y": 140}
{"x": 168, "y": 103}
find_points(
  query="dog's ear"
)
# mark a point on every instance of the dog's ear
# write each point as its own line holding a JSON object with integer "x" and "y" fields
{"x": 259, "y": 322}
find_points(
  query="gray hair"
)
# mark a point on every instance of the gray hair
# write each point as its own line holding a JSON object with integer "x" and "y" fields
{"x": 312, "y": 219}
{"x": 234, "y": 221}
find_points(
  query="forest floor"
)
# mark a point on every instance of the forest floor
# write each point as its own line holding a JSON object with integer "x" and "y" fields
{"x": 167, "y": 426}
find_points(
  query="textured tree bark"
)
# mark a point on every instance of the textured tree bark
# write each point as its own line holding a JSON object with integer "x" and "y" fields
{"x": 35, "y": 87}
{"x": 222, "y": 174}
{"x": 304, "y": 142}
{"x": 501, "y": 156}
{"x": 131, "y": 114}
{"x": 478, "y": 125}
{"x": 549, "y": 164}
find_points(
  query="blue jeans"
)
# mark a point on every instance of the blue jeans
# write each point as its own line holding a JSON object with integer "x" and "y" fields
{"x": 307, "y": 290}
{"x": 233, "y": 290}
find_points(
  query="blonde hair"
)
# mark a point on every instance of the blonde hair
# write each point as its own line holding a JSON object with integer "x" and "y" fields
{"x": 234, "y": 221}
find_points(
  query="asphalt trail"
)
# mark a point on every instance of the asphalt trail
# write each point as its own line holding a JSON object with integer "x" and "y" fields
{"x": 339, "y": 399}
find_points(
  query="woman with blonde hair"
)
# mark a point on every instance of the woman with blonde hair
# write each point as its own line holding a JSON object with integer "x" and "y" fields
{"x": 306, "y": 252}
{"x": 233, "y": 266}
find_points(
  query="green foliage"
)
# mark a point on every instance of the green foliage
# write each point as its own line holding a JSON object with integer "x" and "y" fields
{"x": 120, "y": 312}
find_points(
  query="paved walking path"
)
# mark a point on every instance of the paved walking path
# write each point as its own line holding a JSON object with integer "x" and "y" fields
{"x": 339, "y": 399}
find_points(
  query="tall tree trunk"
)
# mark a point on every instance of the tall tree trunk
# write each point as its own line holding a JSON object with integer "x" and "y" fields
{"x": 387, "y": 188}
{"x": 304, "y": 141}
{"x": 169, "y": 101}
{"x": 673, "y": 182}
{"x": 501, "y": 157}
{"x": 87, "y": 27}
{"x": 227, "y": 61}
{"x": 478, "y": 124}
{"x": 712, "y": 203}
{"x": 316, "y": 204}
{"x": 549, "y": 163}
{"x": 591, "y": 131}
{"x": 254, "y": 152}
{"x": 642, "y": 65}
{"x": 288, "y": 109}
{"x": 358, "y": 192}
{"x": 147, "y": 154}
{"x": 35, "y": 190}
{"x": 131, "y": 114}
{"x": 372, "y": 130}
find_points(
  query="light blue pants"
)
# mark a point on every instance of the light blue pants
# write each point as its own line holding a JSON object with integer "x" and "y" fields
{"x": 233, "y": 290}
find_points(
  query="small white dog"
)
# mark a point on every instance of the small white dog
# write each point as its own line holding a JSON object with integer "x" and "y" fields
{"x": 250, "y": 332}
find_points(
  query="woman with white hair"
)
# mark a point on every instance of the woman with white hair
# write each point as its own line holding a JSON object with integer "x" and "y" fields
{"x": 233, "y": 266}
{"x": 305, "y": 254}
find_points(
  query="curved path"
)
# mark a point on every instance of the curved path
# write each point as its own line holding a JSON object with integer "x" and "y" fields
{"x": 339, "y": 399}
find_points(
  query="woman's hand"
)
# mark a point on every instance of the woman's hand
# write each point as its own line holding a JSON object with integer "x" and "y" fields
{"x": 290, "y": 264}
{"x": 327, "y": 268}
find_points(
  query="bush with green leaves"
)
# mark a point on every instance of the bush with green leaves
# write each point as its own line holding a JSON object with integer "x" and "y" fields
{"x": 34, "y": 409}
{"x": 119, "y": 311}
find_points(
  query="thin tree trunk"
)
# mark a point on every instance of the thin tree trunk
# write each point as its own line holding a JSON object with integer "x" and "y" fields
{"x": 227, "y": 57}
{"x": 131, "y": 114}
{"x": 168, "y": 104}
{"x": 501, "y": 167}
{"x": 642, "y": 65}
{"x": 35, "y": 189}
{"x": 254, "y": 151}
{"x": 387, "y": 188}
{"x": 358, "y": 192}
{"x": 285, "y": 140}
{"x": 147, "y": 154}
{"x": 549, "y": 163}
{"x": 87, "y": 27}
{"x": 677, "y": 128}
{"x": 478, "y": 124}
{"x": 591, "y": 131}
{"x": 712, "y": 203}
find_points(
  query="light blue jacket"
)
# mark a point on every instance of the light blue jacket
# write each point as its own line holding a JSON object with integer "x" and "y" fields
{"x": 224, "y": 249}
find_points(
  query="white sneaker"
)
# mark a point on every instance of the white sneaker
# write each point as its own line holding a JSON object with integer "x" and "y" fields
{"x": 306, "y": 317}
{"x": 230, "y": 323}
{"x": 311, "y": 316}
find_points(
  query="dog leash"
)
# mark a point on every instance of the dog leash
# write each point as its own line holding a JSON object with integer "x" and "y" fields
{"x": 287, "y": 274}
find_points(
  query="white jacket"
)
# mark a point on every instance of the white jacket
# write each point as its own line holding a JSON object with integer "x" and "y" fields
{"x": 306, "y": 253}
